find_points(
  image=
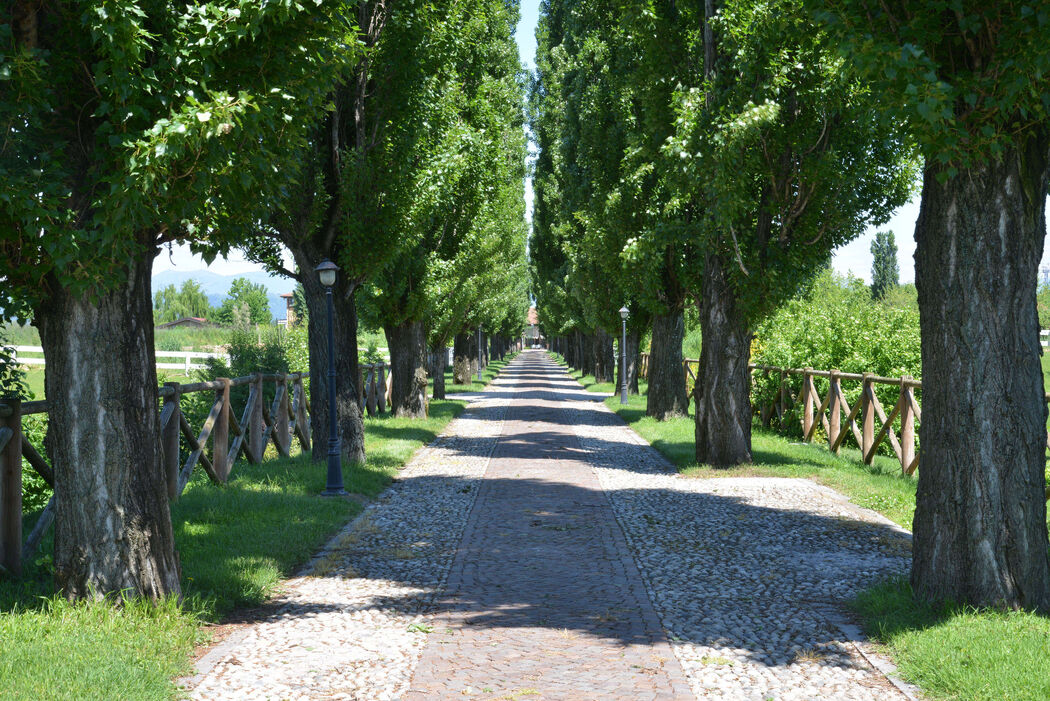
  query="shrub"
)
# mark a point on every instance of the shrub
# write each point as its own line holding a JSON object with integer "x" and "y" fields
{"x": 835, "y": 325}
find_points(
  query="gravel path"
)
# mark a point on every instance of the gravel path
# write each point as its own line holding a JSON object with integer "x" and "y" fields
{"x": 573, "y": 564}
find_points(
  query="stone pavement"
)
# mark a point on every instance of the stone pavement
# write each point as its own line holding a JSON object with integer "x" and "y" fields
{"x": 541, "y": 550}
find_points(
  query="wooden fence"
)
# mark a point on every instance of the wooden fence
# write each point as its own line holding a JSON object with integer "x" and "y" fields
{"x": 866, "y": 420}
{"x": 186, "y": 360}
{"x": 231, "y": 434}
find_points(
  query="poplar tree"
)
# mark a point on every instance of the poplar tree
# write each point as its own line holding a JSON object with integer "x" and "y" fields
{"x": 967, "y": 82}
{"x": 125, "y": 126}
{"x": 885, "y": 271}
{"x": 781, "y": 150}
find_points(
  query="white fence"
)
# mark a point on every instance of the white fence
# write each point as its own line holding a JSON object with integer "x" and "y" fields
{"x": 183, "y": 360}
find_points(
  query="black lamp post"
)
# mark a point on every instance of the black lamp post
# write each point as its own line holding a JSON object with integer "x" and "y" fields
{"x": 624, "y": 313}
{"x": 326, "y": 272}
{"x": 479, "y": 354}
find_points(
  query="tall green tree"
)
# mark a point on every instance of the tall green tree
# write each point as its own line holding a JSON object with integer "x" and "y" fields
{"x": 474, "y": 186}
{"x": 885, "y": 271}
{"x": 365, "y": 163}
{"x": 967, "y": 82}
{"x": 189, "y": 300}
{"x": 781, "y": 148}
{"x": 245, "y": 301}
{"x": 124, "y": 126}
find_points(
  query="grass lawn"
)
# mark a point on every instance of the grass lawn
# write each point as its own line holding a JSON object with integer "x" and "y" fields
{"x": 951, "y": 652}
{"x": 235, "y": 542}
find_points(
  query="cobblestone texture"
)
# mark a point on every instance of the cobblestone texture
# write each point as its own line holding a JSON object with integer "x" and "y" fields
{"x": 575, "y": 564}
{"x": 352, "y": 626}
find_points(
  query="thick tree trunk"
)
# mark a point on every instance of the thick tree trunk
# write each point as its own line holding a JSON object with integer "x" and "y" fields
{"x": 980, "y": 513}
{"x": 632, "y": 362}
{"x": 112, "y": 522}
{"x": 604, "y": 357}
{"x": 348, "y": 416}
{"x": 464, "y": 358}
{"x": 408, "y": 363}
{"x": 723, "y": 386}
{"x": 438, "y": 370}
{"x": 667, "y": 396}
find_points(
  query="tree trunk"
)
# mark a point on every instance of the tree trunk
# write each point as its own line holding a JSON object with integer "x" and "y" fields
{"x": 667, "y": 394}
{"x": 632, "y": 362}
{"x": 349, "y": 419}
{"x": 438, "y": 371}
{"x": 465, "y": 358}
{"x": 980, "y": 513}
{"x": 604, "y": 357}
{"x": 408, "y": 362}
{"x": 723, "y": 386}
{"x": 112, "y": 522}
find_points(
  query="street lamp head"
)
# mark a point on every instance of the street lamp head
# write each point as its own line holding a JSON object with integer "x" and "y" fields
{"x": 326, "y": 272}
{"x": 624, "y": 312}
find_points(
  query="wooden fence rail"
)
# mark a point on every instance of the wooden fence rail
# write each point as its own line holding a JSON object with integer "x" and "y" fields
{"x": 230, "y": 436}
{"x": 866, "y": 421}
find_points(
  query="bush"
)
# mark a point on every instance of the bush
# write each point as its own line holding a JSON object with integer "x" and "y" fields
{"x": 835, "y": 325}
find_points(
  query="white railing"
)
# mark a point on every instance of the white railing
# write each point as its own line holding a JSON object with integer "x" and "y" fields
{"x": 1044, "y": 338}
{"x": 185, "y": 359}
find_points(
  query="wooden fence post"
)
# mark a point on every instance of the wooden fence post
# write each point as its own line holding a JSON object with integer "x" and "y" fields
{"x": 11, "y": 487}
{"x": 783, "y": 398}
{"x": 284, "y": 438}
{"x": 807, "y": 402}
{"x": 361, "y": 389}
{"x": 381, "y": 389}
{"x": 907, "y": 426}
{"x": 834, "y": 412}
{"x": 867, "y": 410}
{"x": 302, "y": 422}
{"x": 256, "y": 423}
{"x": 220, "y": 435}
{"x": 169, "y": 438}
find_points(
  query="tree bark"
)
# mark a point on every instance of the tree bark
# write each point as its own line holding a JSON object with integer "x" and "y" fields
{"x": 723, "y": 386}
{"x": 667, "y": 396}
{"x": 980, "y": 513}
{"x": 408, "y": 363}
{"x": 348, "y": 416}
{"x": 604, "y": 358}
{"x": 464, "y": 358}
{"x": 112, "y": 523}
{"x": 632, "y": 363}
{"x": 438, "y": 371}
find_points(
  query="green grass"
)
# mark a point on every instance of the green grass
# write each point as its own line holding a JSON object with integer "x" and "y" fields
{"x": 950, "y": 652}
{"x": 236, "y": 542}
{"x": 955, "y": 652}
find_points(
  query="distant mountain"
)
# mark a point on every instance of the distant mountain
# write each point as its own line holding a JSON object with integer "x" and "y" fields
{"x": 216, "y": 286}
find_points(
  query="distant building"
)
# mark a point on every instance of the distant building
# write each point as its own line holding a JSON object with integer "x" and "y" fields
{"x": 289, "y": 315}
{"x": 532, "y": 332}
{"x": 193, "y": 322}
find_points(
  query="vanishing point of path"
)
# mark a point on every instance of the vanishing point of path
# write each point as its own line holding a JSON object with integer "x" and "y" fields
{"x": 540, "y": 549}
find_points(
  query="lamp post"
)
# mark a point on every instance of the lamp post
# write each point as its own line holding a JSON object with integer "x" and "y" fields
{"x": 479, "y": 354}
{"x": 624, "y": 313}
{"x": 326, "y": 272}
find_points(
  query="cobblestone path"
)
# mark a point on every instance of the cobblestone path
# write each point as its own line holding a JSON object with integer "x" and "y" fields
{"x": 544, "y": 599}
{"x": 541, "y": 550}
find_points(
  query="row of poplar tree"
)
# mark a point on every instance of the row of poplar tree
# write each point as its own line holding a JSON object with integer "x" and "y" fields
{"x": 384, "y": 135}
{"x": 716, "y": 151}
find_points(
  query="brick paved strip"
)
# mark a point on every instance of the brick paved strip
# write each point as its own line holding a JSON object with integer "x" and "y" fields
{"x": 544, "y": 600}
